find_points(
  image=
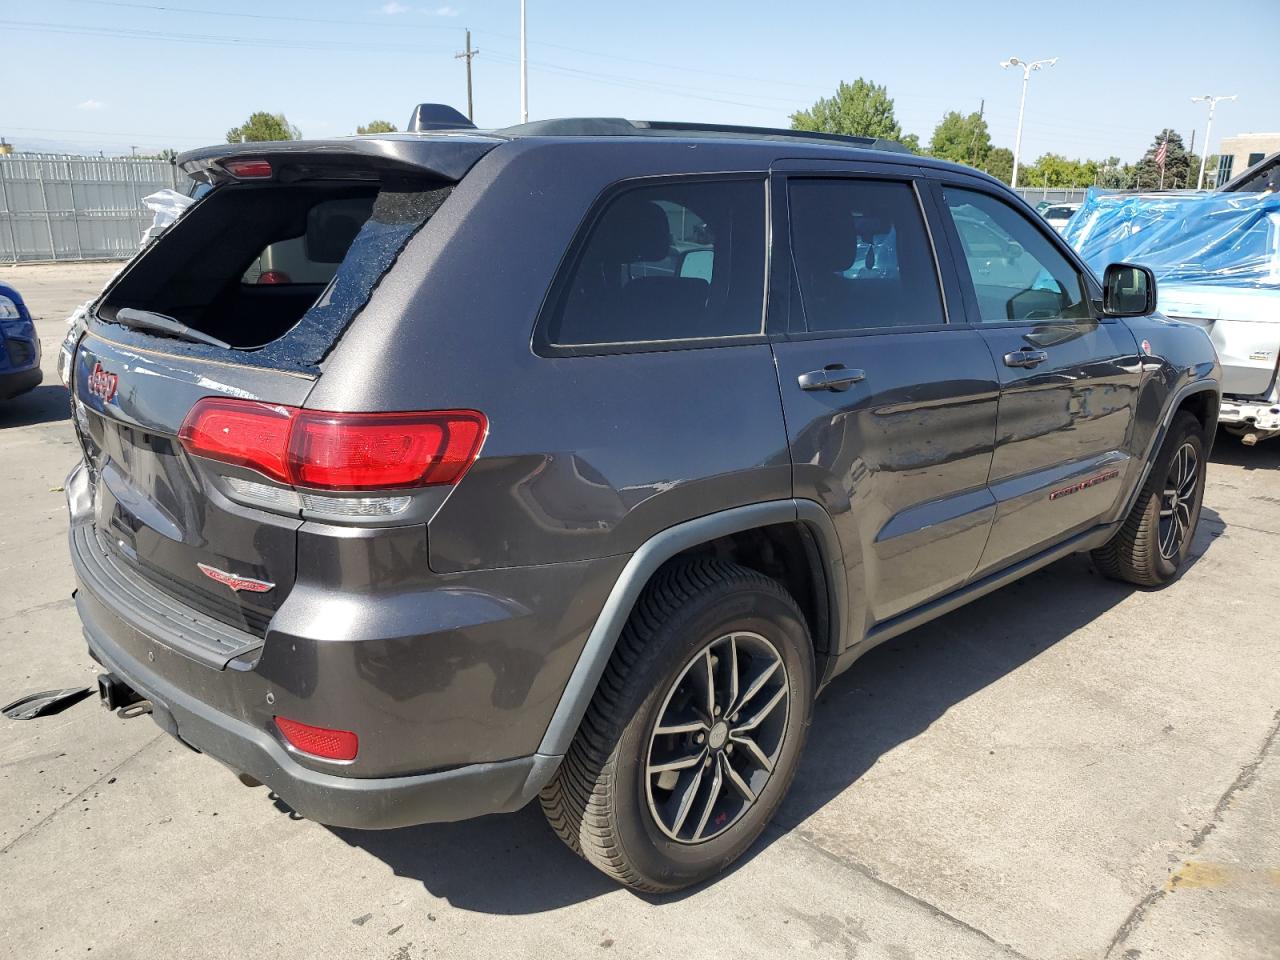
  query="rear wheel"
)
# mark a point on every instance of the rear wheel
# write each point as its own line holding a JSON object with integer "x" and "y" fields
{"x": 1156, "y": 537}
{"x": 695, "y": 732}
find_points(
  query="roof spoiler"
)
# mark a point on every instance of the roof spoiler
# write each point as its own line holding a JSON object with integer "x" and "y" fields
{"x": 437, "y": 116}
{"x": 350, "y": 158}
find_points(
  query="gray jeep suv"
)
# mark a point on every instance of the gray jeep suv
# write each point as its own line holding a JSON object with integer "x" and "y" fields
{"x": 579, "y": 456}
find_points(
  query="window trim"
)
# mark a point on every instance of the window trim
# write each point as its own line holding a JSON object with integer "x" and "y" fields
{"x": 541, "y": 344}
{"x": 1092, "y": 289}
{"x": 783, "y": 260}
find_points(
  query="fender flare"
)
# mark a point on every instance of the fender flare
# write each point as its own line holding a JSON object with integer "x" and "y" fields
{"x": 644, "y": 563}
{"x": 1206, "y": 385}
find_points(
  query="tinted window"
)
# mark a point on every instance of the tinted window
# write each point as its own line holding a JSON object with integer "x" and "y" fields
{"x": 1018, "y": 274}
{"x": 862, "y": 255}
{"x": 681, "y": 260}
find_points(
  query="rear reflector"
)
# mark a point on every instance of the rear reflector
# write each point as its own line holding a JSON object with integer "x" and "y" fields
{"x": 248, "y": 169}
{"x": 323, "y": 450}
{"x": 273, "y": 276}
{"x": 319, "y": 741}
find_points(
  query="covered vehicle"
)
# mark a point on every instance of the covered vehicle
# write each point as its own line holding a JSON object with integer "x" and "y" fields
{"x": 19, "y": 346}
{"x": 1217, "y": 259}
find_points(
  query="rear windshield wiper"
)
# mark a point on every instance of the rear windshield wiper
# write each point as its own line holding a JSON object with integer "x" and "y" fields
{"x": 150, "y": 320}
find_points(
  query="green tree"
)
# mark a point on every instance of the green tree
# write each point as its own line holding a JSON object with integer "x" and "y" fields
{"x": 376, "y": 126}
{"x": 1177, "y": 163}
{"x": 1055, "y": 170}
{"x": 263, "y": 126}
{"x": 999, "y": 164}
{"x": 861, "y": 109}
{"x": 963, "y": 139}
{"x": 911, "y": 142}
{"x": 1112, "y": 174}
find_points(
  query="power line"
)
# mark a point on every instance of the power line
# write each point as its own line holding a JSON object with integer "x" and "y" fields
{"x": 129, "y": 33}
{"x": 222, "y": 14}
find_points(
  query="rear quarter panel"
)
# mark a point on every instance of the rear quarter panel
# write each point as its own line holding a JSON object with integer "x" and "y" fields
{"x": 586, "y": 456}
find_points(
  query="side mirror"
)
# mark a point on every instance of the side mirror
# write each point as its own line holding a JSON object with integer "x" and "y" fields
{"x": 1128, "y": 290}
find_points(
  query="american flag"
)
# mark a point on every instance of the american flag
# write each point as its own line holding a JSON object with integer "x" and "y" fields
{"x": 1162, "y": 153}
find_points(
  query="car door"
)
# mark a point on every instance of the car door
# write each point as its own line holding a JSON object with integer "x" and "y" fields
{"x": 890, "y": 410}
{"x": 1068, "y": 377}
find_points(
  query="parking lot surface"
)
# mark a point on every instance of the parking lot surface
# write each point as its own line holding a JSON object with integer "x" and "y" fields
{"x": 1067, "y": 768}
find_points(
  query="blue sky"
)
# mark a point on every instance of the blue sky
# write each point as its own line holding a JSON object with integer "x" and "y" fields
{"x": 107, "y": 74}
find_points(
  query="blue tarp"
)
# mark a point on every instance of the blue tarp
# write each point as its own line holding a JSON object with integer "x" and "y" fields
{"x": 1218, "y": 239}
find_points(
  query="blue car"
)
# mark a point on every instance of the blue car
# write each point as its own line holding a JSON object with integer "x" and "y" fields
{"x": 19, "y": 346}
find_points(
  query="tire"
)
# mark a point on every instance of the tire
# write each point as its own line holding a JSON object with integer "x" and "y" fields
{"x": 695, "y": 622}
{"x": 1148, "y": 550}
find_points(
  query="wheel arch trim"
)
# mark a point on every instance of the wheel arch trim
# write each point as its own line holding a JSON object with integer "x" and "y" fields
{"x": 1205, "y": 385}
{"x": 644, "y": 563}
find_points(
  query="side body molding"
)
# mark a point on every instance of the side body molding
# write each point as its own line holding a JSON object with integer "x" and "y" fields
{"x": 645, "y": 562}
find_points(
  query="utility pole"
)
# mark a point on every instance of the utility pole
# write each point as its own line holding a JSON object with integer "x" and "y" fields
{"x": 1027, "y": 68}
{"x": 524, "y": 69}
{"x": 1204, "y": 158}
{"x": 467, "y": 56}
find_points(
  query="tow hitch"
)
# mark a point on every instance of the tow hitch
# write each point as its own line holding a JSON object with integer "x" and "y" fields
{"x": 116, "y": 694}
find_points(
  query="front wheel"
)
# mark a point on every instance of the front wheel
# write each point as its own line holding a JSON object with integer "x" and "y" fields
{"x": 695, "y": 732}
{"x": 1155, "y": 539}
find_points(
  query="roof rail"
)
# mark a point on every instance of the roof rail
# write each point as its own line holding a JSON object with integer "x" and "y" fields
{"x": 618, "y": 127}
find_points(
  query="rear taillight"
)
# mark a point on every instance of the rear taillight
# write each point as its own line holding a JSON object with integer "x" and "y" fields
{"x": 322, "y": 450}
{"x": 319, "y": 741}
{"x": 273, "y": 276}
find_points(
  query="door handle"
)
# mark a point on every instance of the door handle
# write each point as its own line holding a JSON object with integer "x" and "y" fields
{"x": 1026, "y": 357}
{"x": 835, "y": 376}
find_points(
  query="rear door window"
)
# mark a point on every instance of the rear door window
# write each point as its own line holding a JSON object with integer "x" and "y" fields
{"x": 862, "y": 255}
{"x": 681, "y": 260}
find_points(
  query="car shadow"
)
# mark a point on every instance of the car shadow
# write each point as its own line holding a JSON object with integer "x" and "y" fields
{"x": 514, "y": 864}
{"x": 47, "y": 403}
{"x": 1263, "y": 456}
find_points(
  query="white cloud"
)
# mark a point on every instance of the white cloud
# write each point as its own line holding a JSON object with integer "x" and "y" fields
{"x": 446, "y": 11}
{"x": 392, "y": 8}
{"x": 90, "y": 105}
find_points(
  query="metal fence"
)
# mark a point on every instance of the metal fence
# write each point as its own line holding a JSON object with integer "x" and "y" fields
{"x": 58, "y": 207}
{"x": 1034, "y": 195}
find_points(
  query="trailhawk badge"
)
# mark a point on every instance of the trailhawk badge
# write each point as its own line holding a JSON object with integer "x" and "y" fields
{"x": 236, "y": 583}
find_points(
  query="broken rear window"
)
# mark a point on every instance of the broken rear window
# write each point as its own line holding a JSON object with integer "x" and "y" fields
{"x": 276, "y": 271}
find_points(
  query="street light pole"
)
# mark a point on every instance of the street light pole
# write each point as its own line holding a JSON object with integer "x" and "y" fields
{"x": 1022, "y": 104}
{"x": 1204, "y": 157}
{"x": 524, "y": 70}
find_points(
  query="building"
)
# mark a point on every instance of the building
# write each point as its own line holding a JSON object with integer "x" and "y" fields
{"x": 1240, "y": 153}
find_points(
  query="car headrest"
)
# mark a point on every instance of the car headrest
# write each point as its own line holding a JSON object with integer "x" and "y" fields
{"x": 834, "y": 243}
{"x": 633, "y": 230}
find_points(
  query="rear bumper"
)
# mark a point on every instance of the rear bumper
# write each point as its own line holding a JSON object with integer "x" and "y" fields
{"x": 449, "y": 689}
{"x": 14, "y": 383}
{"x": 365, "y": 803}
{"x": 1260, "y": 414}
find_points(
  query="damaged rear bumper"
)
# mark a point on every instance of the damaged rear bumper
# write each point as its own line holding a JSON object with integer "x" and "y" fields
{"x": 365, "y": 803}
{"x": 1251, "y": 419}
